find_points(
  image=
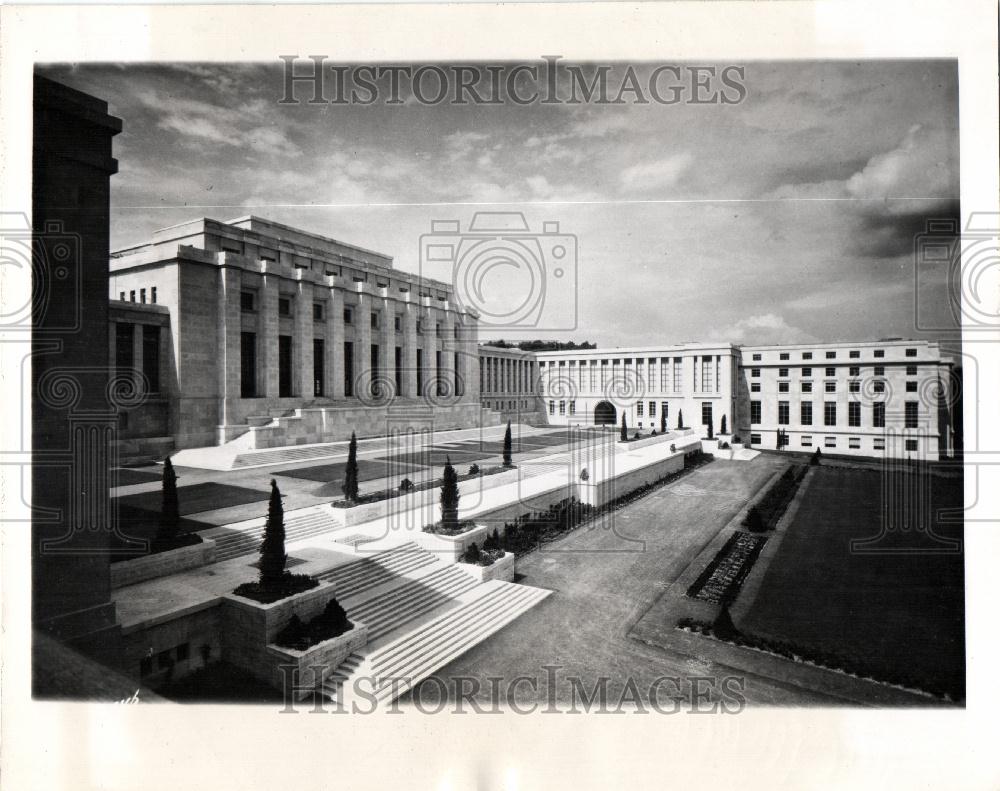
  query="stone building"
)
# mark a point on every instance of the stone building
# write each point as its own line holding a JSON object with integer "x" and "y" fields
{"x": 508, "y": 383}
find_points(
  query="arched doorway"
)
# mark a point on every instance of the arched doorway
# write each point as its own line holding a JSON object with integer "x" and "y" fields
{"x": 605, "y": 414}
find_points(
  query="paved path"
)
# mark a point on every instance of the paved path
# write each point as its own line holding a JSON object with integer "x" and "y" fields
{"x": 604, "y": 581}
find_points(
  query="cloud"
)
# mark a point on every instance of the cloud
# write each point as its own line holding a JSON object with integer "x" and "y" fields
{"x": 659, "y": 174}
{"x": 763, "y": 329}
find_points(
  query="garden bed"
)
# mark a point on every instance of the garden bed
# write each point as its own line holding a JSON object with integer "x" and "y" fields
{"x": 389, "y": 494}
{"x": 724, "y": 576}
{"x": 291, "y": 585}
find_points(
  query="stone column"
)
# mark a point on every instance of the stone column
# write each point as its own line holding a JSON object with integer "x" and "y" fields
{"x": 410, "y": 340}
{"x": 470, "y": 355}
{"x": 335, "y": 338}
{"x": 387, "y": 354}
{"x": 137, "y": 358}
{"x": 448, "y": 346}
{"x": 228, "y": 343}
{"x": 431, "y": 345}
{"x": 363, "y": 344}
{"x": 302, "y": 344}
{"x": 267, "y": 332}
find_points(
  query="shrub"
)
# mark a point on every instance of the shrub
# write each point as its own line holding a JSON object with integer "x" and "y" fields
{"x": 405, "y": 485}
{"x": 584, "y": 475}
{"x": 722, "y": 429}
{"x": 507, "y": 447}
{"x": 711, "y": 435}
{"x": 350, "y": 485}
{"x": 673, "y": 448}
{"x": 474, "y": 469}
{"x": 680, "y": 418}
{"x": 652, "y": 433}
{"x": 293, "y": 635}
{"x": 471, "y": 553}
{"x": 623, "y": 433}
{"x": 330, "y": 623}
{"x": 170, "y": 512}
{"x": 724, "y": 446}
{"x": 635, "y": 435}
{"x": 663, "y": 421}
{"x": 723, "y": 625}
{"x": 736, "y": 438}
{"x": 754, "y": 521}
{"x": 449, "y": 497}
{"x": 817, "y": 454}
{"x": 272, "y": 548}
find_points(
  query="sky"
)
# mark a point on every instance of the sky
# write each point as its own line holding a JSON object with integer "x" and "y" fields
{"x": 788, "y": 217}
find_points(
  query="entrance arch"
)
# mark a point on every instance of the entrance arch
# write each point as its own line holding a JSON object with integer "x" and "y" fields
{"x": 605, "y": 414}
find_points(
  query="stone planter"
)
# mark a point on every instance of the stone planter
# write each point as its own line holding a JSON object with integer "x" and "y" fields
{"x": 502, "y": 569}
{"x": 624, "y": 447}
{"x": 450, "y": 548}
{"x": 161, "y": 564}
{"x": 307, "y": 669}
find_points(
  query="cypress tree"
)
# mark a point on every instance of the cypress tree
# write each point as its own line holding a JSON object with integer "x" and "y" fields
{"x": 350, "y": 486}
{"x": 624, "y": 430}
{"x": 169, "y": 512}
{"x": 680, "y": 418}
{"x": 272, "y": 548}
{"x": 449, "y": 497}
{"x": 723, "y": 428}
{"x": 663, "y": 421}
{"x": 507, "y": 446}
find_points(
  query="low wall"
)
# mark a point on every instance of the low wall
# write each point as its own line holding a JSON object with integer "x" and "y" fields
{"x": 635, "y": 444}
{"x": 502, "y": 569}
{"x": 450, "y": 548}
{"x": 597, "y": 493}
{"x": 309, "y": 668}
{"x": 160, "y": 564}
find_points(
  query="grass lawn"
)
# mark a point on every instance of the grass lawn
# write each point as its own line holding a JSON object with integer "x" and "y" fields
{"x": 898, "y": 612}
{"x": 368, "y": 470}
{"x": 196, "y": 498}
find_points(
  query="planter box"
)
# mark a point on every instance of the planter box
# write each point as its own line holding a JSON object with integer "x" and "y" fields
{"x": 450, "y": 548}
{"x": 597, "y": 493}
{"x": 309, "y": 668}
{"x": 129, "y": 572}
{"x": 710, "y": 445}
{"x": 641, "y": 443}
{"x": 503, "y": 569}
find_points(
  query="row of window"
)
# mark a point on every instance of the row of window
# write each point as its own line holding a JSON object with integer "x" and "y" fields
{"x": 508, "y": 404}
{"x": 911, "y": 413}
{"x": 854, "y": 370}
{"x": 853, "y": 443}
{"x": 878, "y": 386}
{"x": 142, "y": 296}
{"x": 852, "y": 354}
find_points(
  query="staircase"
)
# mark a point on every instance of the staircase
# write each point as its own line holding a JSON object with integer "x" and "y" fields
{"x": 233, "y": 542}
{"x": 395, "y": 668}
{"x": 351, "y": 579}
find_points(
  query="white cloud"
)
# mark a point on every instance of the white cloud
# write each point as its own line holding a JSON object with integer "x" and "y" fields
{"x": 762, "y": 329}
{"x": 659, "y": 174}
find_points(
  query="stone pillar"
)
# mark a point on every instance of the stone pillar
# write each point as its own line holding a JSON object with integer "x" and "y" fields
{"x": 228, "y": 325}
{"x": 388, "y": 341}
{"x": 448, "y": 347}
{"x": 431, "y": 346}
{"x": 335, "y": 339}
{"x": 137, "y": 358}
{"x": 267, "y": 332}
{"x": 410, "y": 340}
{"x": 302, "y": 343}
{"x": 363, "y": 345}
{"x": 469, "y": 347}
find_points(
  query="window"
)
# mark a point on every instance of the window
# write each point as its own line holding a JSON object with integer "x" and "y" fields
{"x": 829, "y": 387}
{"x": 756, "y": 358}
{"x": 911, "y": 370}
{"x": 806, "y": 413}
{"x": 437, "y": 330}
{"x": 317, "y": 311}
{"x": 652, "y": 409}
{"x": 878, "y": 443}
{"x": 879, "y": 370}
{"x": 665, "y": 409}
{"x": 151, "y": 356}
{"x": 829, "y": 413}
{"x": 348, "y": 316}
{"x": 284, "y": 306}
{"x": 562, "y": 407}
{"x": 831, "y": 355}
{"x": 912, "y": 414}
{"x": 829, "y": 442}
{"x": 807, "y": 372}
{"x": 911, "y": 352}
{"x": 854, "y": 414}
{"x": 142, "y": 296}
{"x": 755, "y": 372}
{"x": 807, "y": 355}
{"x": 878, "y": 386}
{"x": 397, "y": 323}
{"x": 911, "y": 444}
{"x": 755, "y": 387}
{"x": 755, "y": 439}
{"x": 552, "y": 407}
{"x": 854, "y": 442}
{"x": 807, "y": 387}
{"x": 854, "y": 386}
{"x": 572, "y": 407}
{"x": 830, "y": 372}
{"x": 121, "y": 295}
{"x": 638, "y": 409}
{"x": 783, "y": 356}
{"x": 880, "y": 352}
{"x": 911, "y": 387}
{"x": 782, "y": 387}
{"x": 706, "y": 413}
{"x": 878, "y": 415}
{"x": 152, "y": 295}
{"x": 247, "y": 301}
{"x": 755, "y": 411}
{"x": 131, "y": 296}
{"x": 374, "y": 320}
{"x": 854, "y": 354}
{"x": 782, "y": 413}
{"x": 782, "y": 372}
{"x": 854, "y": 370}
{"x": 807, "y": 440}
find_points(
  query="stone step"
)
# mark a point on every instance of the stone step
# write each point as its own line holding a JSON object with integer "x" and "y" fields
{"x": 358, "y": 576}
{"x": 247, "y": 540}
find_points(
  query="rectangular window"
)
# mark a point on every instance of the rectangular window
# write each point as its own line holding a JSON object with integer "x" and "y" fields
{"x": 151, "y": 357}
{"x": 911, "y": 444}
{"x": 878, "y": 415}
{"x": 911, "y": 370}
{"x": 707, "y": 374}
{"x": 854, "y": 442}
{"x": 248, "y": 365}
{"x": 911, "y": 387}
{"x": 438, "y": 330}
{"x": 131, "y": 296}
{"x": 912, "y": 414}
{"x": 829, "y": 387}
{"x": 854, "y": 354}
{"x": 755, "y": 439}
{"x": 638, "y": 409}
{"x": 854, "y": 370}
{"x": 829, "y": 413}
{"x": 755, "y": 411}
{"x": 880, "y": 352}
{"x": 678, "y": 374}
{"x": 121, "y": 295}
{"x": 756, "y": 358}
{"x": 829, "y": 442}
{"x": 572, "y": 407}
{"x": 374, "y": 320}
{"x": 284, "y": 306}
{"x": 831, "y": 355}
{"x": 562, "y": 407}
{"x": 911, "y": 352}
{"x": 755, "y": 387}
{"x": 317, "y": 311}
{"x": 782, "y": 413}
{"x": 755, "y": 372}
{"x": 124, "y": 350}
{"x": 348, "y": 316}
{"x": 854, "y": 386}
{"x": 552, "y": 407}
{"x": 807, "y": 440}
{"x": 652, "y": 409}
{"x": 807, "y": 355}
{"x": 806, "y": 413}
{"x": 782, "y": 387}
{"x": 783, "y": 356}
{"x": 879, "y": 370}
{"x": 878, "y": 386}
{"x": 706, "y": 414}
{"x": 854, "y": 414}
{"x": 152, "y": 295}
{"x": 878, "y": 443}
{"x": 807, "y": 372}
{"x": 782, "y": 372}
{"x": 349, "y": 369}
{"x": 807, "y": 387}
{"x": 831, "y": 372}
{"x": 142, "y": 296}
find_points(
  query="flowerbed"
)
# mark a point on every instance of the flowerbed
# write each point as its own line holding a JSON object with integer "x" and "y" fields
{"x": 388, "y": 494}
{"x": 330, "y": 623}
{"x": 722, "y": 578}
{"x": 773, "y": 504}
{"x": 291, "y": 584}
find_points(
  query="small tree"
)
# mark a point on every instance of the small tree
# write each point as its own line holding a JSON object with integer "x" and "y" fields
{"x": 817, "y": 454}
{"x": 449, "y": 496}
{"x": 724, "y": 429}
{"x": 272, "y": 548}
{"x": 350, "y": 487}
{"x": 170, "y": 512}
{"x": 755, "y": 523}
{"x": 472, "y": 553}
{"x": 623, "y": 435}
{"x": 507, "y": 447}
{"x": 709, "y": 426}
{"x": 663, "y": 421}
{"x": 723, "y": 625}
{"x": 680, "y": 418}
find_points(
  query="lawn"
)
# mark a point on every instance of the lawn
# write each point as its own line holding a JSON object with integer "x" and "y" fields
{"x": 196, "y": 498}
{"x": 897, "y": 611}
{"x": 368, "y": 470}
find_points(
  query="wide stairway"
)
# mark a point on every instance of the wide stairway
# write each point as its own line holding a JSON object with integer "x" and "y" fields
{"x": 232, "y": 542}
{"x": 470, "y": 613}
{"x": 358, "y": 576}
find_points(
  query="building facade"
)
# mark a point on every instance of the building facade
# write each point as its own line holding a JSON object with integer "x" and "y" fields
{"x": 508, "y": 382}
{"x": 265, "y": 319}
